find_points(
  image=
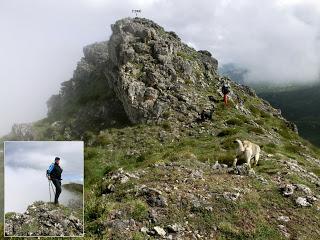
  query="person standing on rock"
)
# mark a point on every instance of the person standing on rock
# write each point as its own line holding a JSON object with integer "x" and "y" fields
{"x": 225, "y": 91}
{"x": 54, "y": 174}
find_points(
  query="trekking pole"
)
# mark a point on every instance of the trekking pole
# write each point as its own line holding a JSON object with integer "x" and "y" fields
{"x": 52, "y": 188}
{"x": 49, "y": 190}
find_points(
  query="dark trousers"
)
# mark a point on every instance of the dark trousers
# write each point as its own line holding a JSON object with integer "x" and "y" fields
{"x": 57, "y": 184}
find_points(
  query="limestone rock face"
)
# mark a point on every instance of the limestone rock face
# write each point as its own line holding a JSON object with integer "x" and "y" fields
{"x": 142, "y": 74}
{"x": 157, "y": 76}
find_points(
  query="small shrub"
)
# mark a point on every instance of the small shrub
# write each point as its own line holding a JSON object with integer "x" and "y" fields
{"x": 9, "y": 214}
{"x": 138, "y": 236}
{"x": 103, "y": 140}
{"x": 226, "y": 158}
{"x": 269, "y": 167}
{"x": 229, "y": 143}
{"x": 264, "y": 231}
{"x": 139, "y": 211}
{"x": 141, "y": 158}
{"x": 166, "y": 126}
{"x": 260, "y": 121}
{"x": 243, "y": 118}
{"x": 254, "y": 110}
{"x": 256, "y": 130}
{"x": 228, "y": 132}
{"x": 270, "y": 148}
{"x": 234, "y": 121}
{"x": 109, "y": 168}
{"x": 166, "y": 114}
{"x": 316, "y": 171}
{"x": 188, "y": 82}
{"x": 182, "y": 156}
{"x": 292, "y": 148}
{"x": 90, "y": 153}
{"x": 265, "y": 114}
{"x": 186, "y": 56}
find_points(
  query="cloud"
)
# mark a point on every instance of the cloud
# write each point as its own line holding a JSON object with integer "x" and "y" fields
{"x": 39, "y": 155}
{"x": 276, "y": 40}
{"x": 25, "y": 186}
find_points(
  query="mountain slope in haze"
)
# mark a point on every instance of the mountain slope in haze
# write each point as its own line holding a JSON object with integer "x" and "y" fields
{"x": 160, "y": 145}
{"x": 231, "y": 70}
{"x": 298, "y": 103}
{"x": 300, "y": 106}
{"x": 74, "y": 187}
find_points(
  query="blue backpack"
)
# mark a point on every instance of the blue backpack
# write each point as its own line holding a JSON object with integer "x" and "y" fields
{"x": 49, "y": 170}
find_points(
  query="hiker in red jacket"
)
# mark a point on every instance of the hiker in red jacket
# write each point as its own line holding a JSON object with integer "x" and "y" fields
{"x": 225, "y": 90}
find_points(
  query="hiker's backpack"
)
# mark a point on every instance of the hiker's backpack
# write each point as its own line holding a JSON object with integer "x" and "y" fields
{"x": 225, "y": 89}
{"x": 49, "y": 170}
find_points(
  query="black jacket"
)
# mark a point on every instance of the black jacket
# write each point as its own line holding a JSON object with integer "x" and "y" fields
{"x": 225, "y": 89}
{"x": 56, "y": 172}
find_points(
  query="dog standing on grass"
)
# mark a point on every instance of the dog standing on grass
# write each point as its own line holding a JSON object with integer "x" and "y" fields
{"x": 247, "y": 150}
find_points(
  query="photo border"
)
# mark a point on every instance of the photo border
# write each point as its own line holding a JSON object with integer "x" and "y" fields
{"x": 83, "y": 204}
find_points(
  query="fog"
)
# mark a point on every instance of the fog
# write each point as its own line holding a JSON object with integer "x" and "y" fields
{"x": 25, "y": 186}
{"x": 276, "y": 40}
{"x": 25, "y": 167}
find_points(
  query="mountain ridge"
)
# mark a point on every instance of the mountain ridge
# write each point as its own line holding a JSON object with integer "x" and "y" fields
{"x": 168, "y": 173}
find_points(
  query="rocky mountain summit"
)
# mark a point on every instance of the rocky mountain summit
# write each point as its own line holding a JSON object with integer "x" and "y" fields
{"x": 44, "y": 219}
{"x": 143, "y": 74}
{"x": 148, "y": 75}
{"x": 159, "y": 145}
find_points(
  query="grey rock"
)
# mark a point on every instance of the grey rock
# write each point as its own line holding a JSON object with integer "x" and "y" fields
{"x": 216, "y": 166}
{"x": 154, "y": 197}
{"x": 303, "y": 188}
{"x": 144, "y": 229}
{"x": 284, "y": 230}
{"x": 231, "y": 196}
{"x": 283, "y": 218}
{"x": 287, "y": 190}
{"x": 174, "y": 228}
{"x": 197, "y": 174}
{"x": 302, "y": 202}
{"x": 159, "y": 231}
{"x": 196, "y": 204}
{"x": 244, "y": 169}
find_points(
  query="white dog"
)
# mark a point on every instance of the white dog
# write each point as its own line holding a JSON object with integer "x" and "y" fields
{"x": 247, "y": 151}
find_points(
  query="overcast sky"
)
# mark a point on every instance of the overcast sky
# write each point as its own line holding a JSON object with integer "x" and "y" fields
{"x": 39, "y": 155}
{"x": 42, "y": 40}
{"x": 25, "y": 167}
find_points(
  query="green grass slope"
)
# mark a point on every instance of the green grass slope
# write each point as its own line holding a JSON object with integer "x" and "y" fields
{"x": 178, "y": 163}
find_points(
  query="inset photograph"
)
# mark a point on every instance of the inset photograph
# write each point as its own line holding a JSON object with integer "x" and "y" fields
{"x": 43, "y": 188}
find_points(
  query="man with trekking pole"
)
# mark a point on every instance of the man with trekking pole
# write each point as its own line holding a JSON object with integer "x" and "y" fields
{"x": 54, "y": 175}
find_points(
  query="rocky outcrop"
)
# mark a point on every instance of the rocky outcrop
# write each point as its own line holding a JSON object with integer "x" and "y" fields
{"x": 23, "y": 131}
{"x": 142, "y": 74}
{"x": 43, "y": 219}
